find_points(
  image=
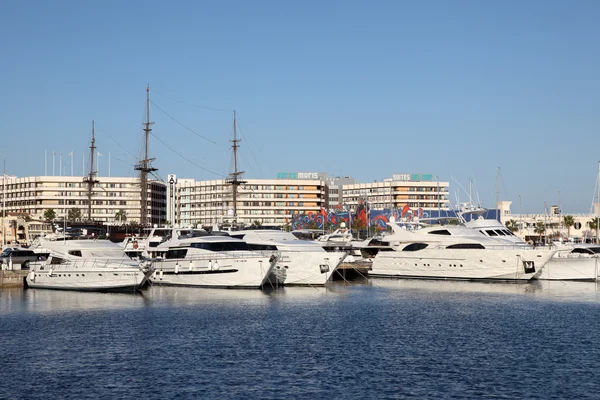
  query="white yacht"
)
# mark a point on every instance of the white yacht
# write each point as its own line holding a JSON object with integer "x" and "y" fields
{"x": 456, "y": 252}
{"x": 95, "y": 265}
{"x": 197, "y": 258}
{"x": 305, "y": 262}
{"x": 580, "y": 262}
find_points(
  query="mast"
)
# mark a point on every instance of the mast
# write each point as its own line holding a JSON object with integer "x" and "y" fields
{"x": 598, "y": 208}
{"x": 145, "y": 165}
{"x": 91, "y": 178}
{"x": 234, "y": 178}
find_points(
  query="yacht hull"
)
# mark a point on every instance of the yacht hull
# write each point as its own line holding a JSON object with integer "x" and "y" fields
{"x": 309, "y": 268}
{"x": 571, "y": 269}
{"x": 214, "y": 272}
{"x": 462, "y": 264}
{"x": 87, "y": 279}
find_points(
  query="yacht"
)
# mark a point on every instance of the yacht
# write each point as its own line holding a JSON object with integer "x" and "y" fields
{"x": 201, "y": 259}
{"x": 94, "y": 265}
{"x": 580, "y": 262}
{"x": 305, "y": 262}
{"x": 456, "y": 252}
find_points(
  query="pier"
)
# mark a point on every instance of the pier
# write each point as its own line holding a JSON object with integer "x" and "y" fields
{"x": 352, "y": 271}
{"x": 12, "y": 279}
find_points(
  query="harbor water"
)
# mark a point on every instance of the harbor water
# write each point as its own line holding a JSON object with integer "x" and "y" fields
{"x": 382, "y": 339}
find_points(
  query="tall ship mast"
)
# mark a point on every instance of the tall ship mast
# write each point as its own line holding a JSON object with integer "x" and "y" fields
{"x": 234, "y": 178}
{"x": 145, "y": 165}
{"x": 91, "y": 180}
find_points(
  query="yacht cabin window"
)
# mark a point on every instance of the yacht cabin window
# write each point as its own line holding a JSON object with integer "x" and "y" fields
{"x": 491, "y": 232}
{"x": 221, "y": 246}
{"x": 415, "y": 247}
{"x": 440, "y": 232}
{"x": 466, "y": 246}
{"x": 76, "y": 253}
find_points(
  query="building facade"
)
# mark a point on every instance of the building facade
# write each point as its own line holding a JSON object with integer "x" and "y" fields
{"x": 268, "y": 201}
{"x": 36, "y": 194}
{"x": 412, "y": 190}
{"x": 552, "y": 222}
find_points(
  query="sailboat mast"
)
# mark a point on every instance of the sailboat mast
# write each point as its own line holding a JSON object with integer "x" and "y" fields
{"x": 91, "y": 178}
{"x": 235, "y": 170}
{"x": 598, "y": 208}
{"x": 145, "y": 165}
{"x": 234, "y": 180}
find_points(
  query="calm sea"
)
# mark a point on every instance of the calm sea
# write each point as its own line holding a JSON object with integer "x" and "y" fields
{"x": 384, "y": 339}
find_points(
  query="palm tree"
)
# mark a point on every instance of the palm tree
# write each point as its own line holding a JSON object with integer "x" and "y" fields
{"x": 540, "y": 228}
{"x": 512, "y": 225}
{"x": 358, "y": 225}
{"x": 13, "y": 225}
{"x": 121, "y": 216}
{"x": 568, "y": 221}
{"x": 593, "y": 225}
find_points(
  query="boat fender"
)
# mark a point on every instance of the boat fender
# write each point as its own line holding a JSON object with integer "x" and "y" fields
{"x": 50, "y": 271}
{"x": 216, "y": 266}
{"x": 154, "y": 275}
{"x": 176, "y": 268}
{"x": 160, "y": 275}
{"x": 210, "y": 265}
{"x": 135, "y": 245}
{"x": 32, "y": 276}
{"x": 190, "y": 266}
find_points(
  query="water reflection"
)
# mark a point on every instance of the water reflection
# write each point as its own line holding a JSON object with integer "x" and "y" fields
{"x": 49, "y": 301}
{"x": 555, "y": 290}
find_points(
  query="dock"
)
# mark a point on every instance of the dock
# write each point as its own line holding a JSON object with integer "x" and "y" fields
{"x": 12, "y": 279}
{"x": 352, "y": 271}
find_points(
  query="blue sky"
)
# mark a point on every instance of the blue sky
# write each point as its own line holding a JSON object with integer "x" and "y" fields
{"x": 366, "y": 89}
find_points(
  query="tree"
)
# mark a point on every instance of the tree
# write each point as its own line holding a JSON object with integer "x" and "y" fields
{"x": 121, "y": 216}
{"x": 593, "y": 225}
{"x": 74, "y": 214}
{"x": 358, "y": 225}
{"x": 13, "y": 225}
{"x": 512, "y": 225}
{"x": 257, "y": 223}
{"x": 540, "y": 228}
{"x": 49, "y": 215}
{"x": 568, "y": 221}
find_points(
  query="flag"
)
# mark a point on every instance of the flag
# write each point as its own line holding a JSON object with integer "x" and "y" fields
{"x": 99, "y": 154}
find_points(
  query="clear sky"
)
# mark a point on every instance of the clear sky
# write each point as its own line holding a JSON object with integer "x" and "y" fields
{"x": 359, "y": 88}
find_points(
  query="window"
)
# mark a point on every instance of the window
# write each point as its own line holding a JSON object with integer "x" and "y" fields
{"x": 466, "y": 246}
{"x": 440, "y": 232}
{"x": 415, "y": 247}
{"x": 490, "y": 232}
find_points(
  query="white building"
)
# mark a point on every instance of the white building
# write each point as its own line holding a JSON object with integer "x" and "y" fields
{"x": 35, "y": 194}
{"x": 414, "y": 190}
{"x": 553, "y": 223}
{"x": 268, "y": 201}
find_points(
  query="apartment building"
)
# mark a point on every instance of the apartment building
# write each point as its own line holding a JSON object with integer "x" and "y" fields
{"x": 412, "y": 190}
{"x": 35, "y": 194}
{"x": 268, "y": 201}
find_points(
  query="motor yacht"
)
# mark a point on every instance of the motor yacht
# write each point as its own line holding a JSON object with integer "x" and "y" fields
{"x": 198, "y": 258}
{"x": 578, "y": 262}
{"x": 456, "y": 252}
{"x": 88, "y": 265}
{"x": 305, "y": 262}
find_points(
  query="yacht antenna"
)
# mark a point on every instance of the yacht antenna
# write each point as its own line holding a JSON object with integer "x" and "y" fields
{"x": 91, "y": 178}
{"x": 145, "y": 165}
{"x": 234, "y": 178}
